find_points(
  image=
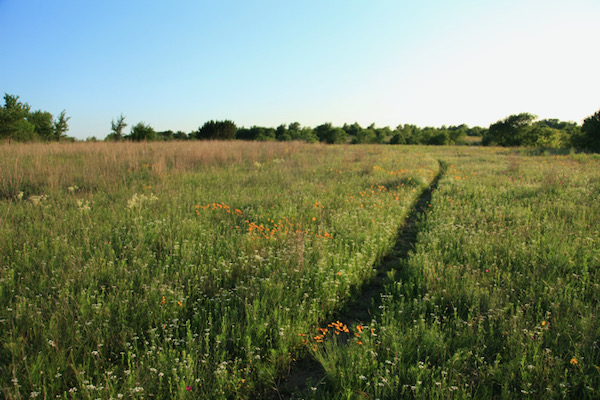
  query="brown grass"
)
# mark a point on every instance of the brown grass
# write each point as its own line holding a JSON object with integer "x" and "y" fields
{"x": 40, "y": 167}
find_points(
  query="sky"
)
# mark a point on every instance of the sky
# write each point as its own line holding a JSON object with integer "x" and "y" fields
{"x": 177, "y": 64}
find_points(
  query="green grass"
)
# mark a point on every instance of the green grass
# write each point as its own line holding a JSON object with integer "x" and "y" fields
{"x": 185, "y": 272}
{"x": 499, "y": 298}
{"x": 204, "y": 270}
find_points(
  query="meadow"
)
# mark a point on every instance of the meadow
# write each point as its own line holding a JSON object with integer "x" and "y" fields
{"x": 208, "y": 270}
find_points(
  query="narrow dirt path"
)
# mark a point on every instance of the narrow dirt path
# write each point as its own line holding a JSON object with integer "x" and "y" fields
{"x": 308, "y": 372}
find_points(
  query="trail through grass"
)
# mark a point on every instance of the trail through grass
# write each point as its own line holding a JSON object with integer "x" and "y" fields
{"x": 185, "y": 272}
{"x": 499, "y": 298}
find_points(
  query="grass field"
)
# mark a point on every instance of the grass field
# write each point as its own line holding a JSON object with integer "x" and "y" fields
{"x": 207, "y": 270}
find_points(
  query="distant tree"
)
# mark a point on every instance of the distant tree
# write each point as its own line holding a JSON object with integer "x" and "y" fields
{"x": 590, "y": 132}
{"x": 382, "y": 134}
{"x": 439, "y": 137}
{"x": 352, "y": 130}
{"x": 294, "y": 127}
{"x": 510, "y": 131}
{"x": 281, "y": 133}
{"x": 142, "y": 132}
{"x": 165, "y": 135}
{"x": 116, "y": 128}
{"x": 60, "y": 125}
{"x": 328, "y": 134}
{"x": 13, "y": 120}
{"x": 539, "y": 135}
{"x": 363, "y": 136}
{"x": 297, "y": 132}
{"x": 476, "y": 131}
{"x": 267, "y": 134}
{"x": 180, "y": 135}
{"x": 457, "y": 134}
{"x": 43, "y": 124}
{"x": 216, "y": 130}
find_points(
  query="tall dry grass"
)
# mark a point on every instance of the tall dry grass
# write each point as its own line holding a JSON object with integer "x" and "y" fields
{"x": 40, "y": 167}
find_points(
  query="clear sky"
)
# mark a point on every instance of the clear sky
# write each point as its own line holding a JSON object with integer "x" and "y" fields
{"x": 176, "y": 64}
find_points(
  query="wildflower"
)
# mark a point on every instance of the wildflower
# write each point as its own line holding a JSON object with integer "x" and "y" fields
{"x": 163, "y": 300}
{"x": 188, "y": 388}
{"x": 543, "y": 323}
{"x": 574, "y": 361}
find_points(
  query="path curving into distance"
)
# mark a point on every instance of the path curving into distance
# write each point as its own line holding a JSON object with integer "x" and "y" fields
{"x": 308, "y": 372}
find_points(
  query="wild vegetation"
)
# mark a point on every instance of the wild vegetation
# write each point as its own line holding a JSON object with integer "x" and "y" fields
{"x": 18, "y": 123}
{"x": 206, "y": 269}
{"x": 184, "y": 271}
{"x": 499, "y": 298}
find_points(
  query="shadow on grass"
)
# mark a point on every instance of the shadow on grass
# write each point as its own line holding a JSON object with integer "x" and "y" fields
{"x": 308, "y": 372}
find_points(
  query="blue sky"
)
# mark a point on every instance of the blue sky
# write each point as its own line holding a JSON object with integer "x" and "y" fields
{"x": 176, "y": 64}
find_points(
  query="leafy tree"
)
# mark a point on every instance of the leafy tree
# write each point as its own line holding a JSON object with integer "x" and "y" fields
{"x": 457, "y": 134}
{"x": 352, "y": 130}
{"x": 476, "y": 131}
{"x": 294, "y": 127}
{"x": 216, "y": 130}
{"x": 328, "y": 134}
{"x": 13, "y": 120}
{"x": 257, "y": 133}
{"x": 590, "y": 132}
{"x": 545, "y": 136}
{"x": 180, "y": 135}
{"x": 511, "y": 131}
{"x": 142, "y": 132}
{"x": 43, "y": 124}
{"x": 60, "y": 125}
{"x": 116, "y": 128}
{"x": 364, "y": 136}
{"x": 165, "y": 135}
{"x": 281, "y": 133}
{"x": 439, "y": 137}
{"x": 298, "y": 132}
{"x": 381, "y": 134}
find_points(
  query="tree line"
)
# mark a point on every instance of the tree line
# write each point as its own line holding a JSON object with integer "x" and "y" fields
{"x": 515, "y": 130}
{"x": 19, "y": 123}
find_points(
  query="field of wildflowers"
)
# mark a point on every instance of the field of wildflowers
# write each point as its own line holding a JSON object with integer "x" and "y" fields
{"x": 186, "y": 270}
{"x": 500, "y": 298}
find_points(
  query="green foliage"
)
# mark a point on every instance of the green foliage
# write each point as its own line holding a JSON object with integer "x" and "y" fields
{"x": 142, "y": 132}
{"x": 43, "y": 124}
{"x": 116, "y": 129}
{"x": 330, "y": 134}
{"x": 19, "y": 124}
{"x": 590, "y": 131}
{"x": 510, "y": 131}
{"x": 298, "y": 132}
{"x": 60, "y": 125}
{"x": 13, "y": 120}
{"x": 216, "y": 130}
